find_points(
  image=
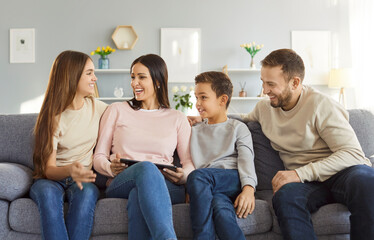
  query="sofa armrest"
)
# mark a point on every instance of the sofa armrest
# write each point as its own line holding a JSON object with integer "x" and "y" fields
{"x": 15, "y": 180}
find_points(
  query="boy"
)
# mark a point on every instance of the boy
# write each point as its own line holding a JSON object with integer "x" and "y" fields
{"x": 222, "y": 152}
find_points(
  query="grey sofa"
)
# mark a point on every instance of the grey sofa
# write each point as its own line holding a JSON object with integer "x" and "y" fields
{"x": 19, "y": 217}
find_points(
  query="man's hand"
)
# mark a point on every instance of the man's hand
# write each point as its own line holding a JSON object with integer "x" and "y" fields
{"x": 116, "y": 166}
{"x": 245, "y": 202}
{"x": 174, "y": 177}
{"x": 284, "y": 177}
{"x": 79, "y": 174}
{"x": 194, "y": 119}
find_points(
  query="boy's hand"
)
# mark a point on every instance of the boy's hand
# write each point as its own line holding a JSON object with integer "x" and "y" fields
{"x": 194, "y": 119}
{"x": 174, "y": 177}
{"x": 245, "y": 202}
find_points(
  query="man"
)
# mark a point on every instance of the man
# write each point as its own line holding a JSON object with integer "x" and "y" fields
{"x": 323, "y": 158}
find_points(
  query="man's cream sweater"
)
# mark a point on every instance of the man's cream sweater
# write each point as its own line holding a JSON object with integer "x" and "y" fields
{"x": 314, "y": 138}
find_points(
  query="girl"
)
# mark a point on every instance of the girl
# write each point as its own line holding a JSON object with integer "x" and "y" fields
{"x": 65, "y": 136}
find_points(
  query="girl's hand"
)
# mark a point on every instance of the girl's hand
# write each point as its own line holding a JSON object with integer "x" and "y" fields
{"x": 245, "y": 202}
{"x": 79, "y": 174}
{"x": 116, "y": 166}
{"x": 174, "y": 177}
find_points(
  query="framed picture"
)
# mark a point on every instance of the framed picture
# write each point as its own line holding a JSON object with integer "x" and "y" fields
{"x": 314, "y": 49}
{"x": 22, "y": 45}
{"x": 181, "y": 49}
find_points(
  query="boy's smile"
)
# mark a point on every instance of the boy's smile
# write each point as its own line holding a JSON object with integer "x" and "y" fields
{"x": 208, "y": 104}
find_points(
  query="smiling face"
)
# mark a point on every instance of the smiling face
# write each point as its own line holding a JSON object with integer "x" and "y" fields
{"x": 142, "y": 83}
{"x": 278, "y": 89}
{"x": 207, "y": 103}
{"x": 86, "y": 84}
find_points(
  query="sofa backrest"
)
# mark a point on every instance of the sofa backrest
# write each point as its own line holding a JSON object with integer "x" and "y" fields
{"x": 16, "y": 138}
{"x": 268, "y": 162}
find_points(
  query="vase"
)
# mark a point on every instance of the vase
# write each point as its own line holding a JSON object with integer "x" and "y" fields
{"x": 242, "y": 93}
{"x": 184, "y": 110}
{"x": 104, "y": 62}
{"x": 252, "y": 66}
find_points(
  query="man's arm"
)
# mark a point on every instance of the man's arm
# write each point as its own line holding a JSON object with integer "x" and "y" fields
{"x": 333, "y": 127}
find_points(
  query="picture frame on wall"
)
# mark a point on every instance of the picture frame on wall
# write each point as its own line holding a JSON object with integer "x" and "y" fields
{"x": 181, "y": 50}
{"x": 314, "y": 47}
{"x": 22, "y": 45}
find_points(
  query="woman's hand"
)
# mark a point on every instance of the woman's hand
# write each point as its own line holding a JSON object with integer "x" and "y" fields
{"x": 116, "y": 166}
{"x": 79, "y": 174}
{"x": 245, "y": 202}
{"x": 174, "y": 177}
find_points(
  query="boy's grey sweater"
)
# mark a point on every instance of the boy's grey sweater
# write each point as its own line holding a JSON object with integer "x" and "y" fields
{"x": 226, "y": 145}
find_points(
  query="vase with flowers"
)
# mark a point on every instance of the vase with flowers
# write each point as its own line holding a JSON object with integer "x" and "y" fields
{"x": 252, "y": 49}
{"x": 182, "y": 98}
{"x": 103, "y": 52}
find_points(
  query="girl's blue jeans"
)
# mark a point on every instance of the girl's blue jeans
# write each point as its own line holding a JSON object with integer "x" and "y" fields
{"x": 50, "y": 195}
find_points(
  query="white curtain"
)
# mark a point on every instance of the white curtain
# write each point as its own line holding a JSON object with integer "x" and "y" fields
{"x": 361, "y": 21}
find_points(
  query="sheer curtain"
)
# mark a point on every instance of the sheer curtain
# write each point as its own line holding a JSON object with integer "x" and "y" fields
{"x": 361, "y": 24}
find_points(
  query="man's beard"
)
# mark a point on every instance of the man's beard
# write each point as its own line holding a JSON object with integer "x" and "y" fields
{"x": 283, "y": 99}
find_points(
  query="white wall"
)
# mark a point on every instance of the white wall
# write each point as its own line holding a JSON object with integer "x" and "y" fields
{"x": 83, "y": 25}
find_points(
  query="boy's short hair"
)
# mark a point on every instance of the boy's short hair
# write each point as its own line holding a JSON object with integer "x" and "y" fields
{"x": 220, "y": 83}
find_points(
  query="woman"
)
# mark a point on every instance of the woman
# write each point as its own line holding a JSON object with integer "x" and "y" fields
{"x": 145, "y": 129}
{"x": 65, "y": 136}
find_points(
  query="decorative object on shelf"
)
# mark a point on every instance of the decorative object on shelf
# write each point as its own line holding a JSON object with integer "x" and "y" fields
{"x": 118, "y": 92}
{"x": 182, "y": 97}
{"x": 103, "y": 52}
{"x": 252, "y": 48}
{"x": 124, "y": 37}
{"x": 242, "y": 92}
{"x": 341, "y": 78}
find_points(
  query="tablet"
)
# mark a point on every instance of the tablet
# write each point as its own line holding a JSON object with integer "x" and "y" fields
{"x": 130, "y": 162}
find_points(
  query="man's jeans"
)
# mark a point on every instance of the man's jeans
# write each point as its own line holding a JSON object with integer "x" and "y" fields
{"x": 353, "y": 187}
{"x": 212, "y": 192}
{"x": 49, "y": 196}
{"x": 150, "y": 200}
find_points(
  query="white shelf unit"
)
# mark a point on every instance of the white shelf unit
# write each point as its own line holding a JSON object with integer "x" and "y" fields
{"x": 118, "y": 70}
{"x": 242, "y": 70}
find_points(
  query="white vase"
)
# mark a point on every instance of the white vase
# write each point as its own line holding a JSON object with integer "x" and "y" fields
{"x": 252, "y": 66}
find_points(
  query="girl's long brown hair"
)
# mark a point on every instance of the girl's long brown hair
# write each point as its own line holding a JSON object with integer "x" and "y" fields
{"x": 159, "y": 74}
{"x": 62, "y": 86}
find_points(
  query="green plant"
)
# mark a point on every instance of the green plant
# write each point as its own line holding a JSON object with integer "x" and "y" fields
{"x": 182, "y": 97}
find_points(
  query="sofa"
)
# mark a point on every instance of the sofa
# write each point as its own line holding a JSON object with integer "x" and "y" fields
{"x": 19, "y": 217}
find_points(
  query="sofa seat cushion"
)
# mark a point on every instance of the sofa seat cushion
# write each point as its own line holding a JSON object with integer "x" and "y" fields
{"x": 329, "y": 219}
{"x": 111, "y": 218}
{"x": 15, "y": 180}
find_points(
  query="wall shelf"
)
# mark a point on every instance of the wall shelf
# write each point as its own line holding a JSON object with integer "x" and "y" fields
{"x": 119, "y": 70}
{"x": 125, "y": 37}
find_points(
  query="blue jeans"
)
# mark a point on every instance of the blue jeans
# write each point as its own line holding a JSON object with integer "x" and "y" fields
{"x": 353, "y": 187}
{"x": 212, "y": 192}
{"x": 150, "y": 200}
{"x": 49, "y": 196}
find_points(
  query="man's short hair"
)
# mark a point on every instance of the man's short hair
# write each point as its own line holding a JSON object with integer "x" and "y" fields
{"x": 291, "y": 63}
{"x": 220, "y": 83}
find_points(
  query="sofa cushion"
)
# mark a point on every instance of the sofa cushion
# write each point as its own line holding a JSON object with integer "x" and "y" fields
{"x": 111, "y": 218}
{"x": 15, "y": 180}
{"x": 267, "y": 160}
{"x": 16, "y": 138}
{"x": 362, "y": 122}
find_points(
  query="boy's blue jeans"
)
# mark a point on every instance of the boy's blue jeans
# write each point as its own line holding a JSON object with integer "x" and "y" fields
{"x": 150, "y": 200}
{"x": 353, "y": 187}
{"x": 212, "y": 192}
{"x": 49, "y": 196}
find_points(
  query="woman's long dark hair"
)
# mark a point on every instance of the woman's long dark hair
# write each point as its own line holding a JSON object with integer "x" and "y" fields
{"x": 159, "y": 74}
